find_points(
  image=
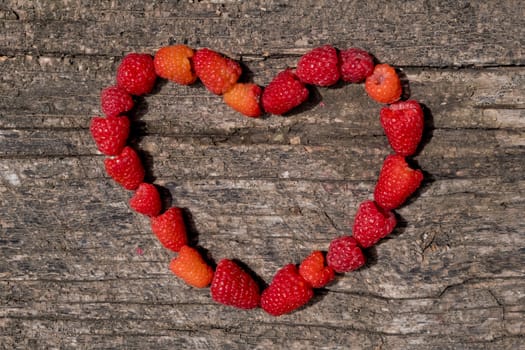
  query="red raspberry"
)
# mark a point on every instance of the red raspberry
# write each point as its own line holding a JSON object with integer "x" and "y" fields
{"x": 403, "y": 124}
{"x": 146, "y": 200}
{"x": 396, "y": 182}
{"x": 115, "y": 101}
{"x": 283, "y": 93}
{"x": 136, "y": 74}
{"x": 245, "y": 99}
{"x": 173, "y": 63}
{"x": 345, "y": 255}
{"x": 110, "y": 134}
{"x": 356, "y": 65}
{"x": 384, "y": 85}
{"x": 233, "y": 286}
{"x": 319, "y": 66}
{"x": 287, "y": 292}
{"x": 314, "y": 270}
{"x": 126, "y": 168}
{"x": 371, "y": 223}
{"x": 170, "y": 229}
{"x": 191, "y": 268}
{"x": 216, "y": 72}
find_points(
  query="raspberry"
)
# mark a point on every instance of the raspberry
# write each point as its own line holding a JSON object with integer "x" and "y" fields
{"x": 403, "y": 124}
{"x": 356, "y": 65}
{"x": 191, "y": 268}
{"x": 384, "y": 85}
{"x": 283, "y": 93}
{"x": 245, "y": 99}
{"x": 287, "y": 292}
{"x": 233, "y": 286}
{"x": 126, "y": 168}
{"x": 115, "y": 101}
{"x": 345, "y": 255}
{"x": 136, "y": 74}
{"x": 396, "y": 182}
{"x": 319, "y": 66}
{"x": 170, "y": 229}
{"x": 371, "y": 223}
{"x": 173, "y": 63}
{"x": 314, "y": 270}
{"x": 146, "y": 200}
{"x": 216, "y": 72}
{"x": 110, "y": 134}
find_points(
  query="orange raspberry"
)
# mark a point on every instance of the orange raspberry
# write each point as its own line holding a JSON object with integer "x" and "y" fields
{"x": 191, "y": 268}
{"x": 173, "y": 63}
{"x": 245, "y": 99}
{"x": 384, "y": 85}
{"x": 314, "y": 270}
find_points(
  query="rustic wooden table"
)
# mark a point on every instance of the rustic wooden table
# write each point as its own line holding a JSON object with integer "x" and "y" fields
{"x": 80, "y": 270}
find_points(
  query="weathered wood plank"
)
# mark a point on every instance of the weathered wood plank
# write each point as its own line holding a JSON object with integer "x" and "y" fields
{"x": 302, "y": 217}
{"x": 494, "y": 96}
{"x": 167, "y": 316}
{"x": 81, "y": 270}
{"x": 412, "y": 33}
{"x": 68, "y": 154}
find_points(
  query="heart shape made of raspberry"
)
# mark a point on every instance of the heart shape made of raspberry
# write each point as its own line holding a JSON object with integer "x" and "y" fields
{"x": 230, "y": 284}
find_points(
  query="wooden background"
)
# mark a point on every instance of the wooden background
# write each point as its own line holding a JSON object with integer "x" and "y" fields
{"x": 80, "y": 270}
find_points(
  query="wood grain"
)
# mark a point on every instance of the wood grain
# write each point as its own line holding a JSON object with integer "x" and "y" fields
{"x": 80, "y": 270}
